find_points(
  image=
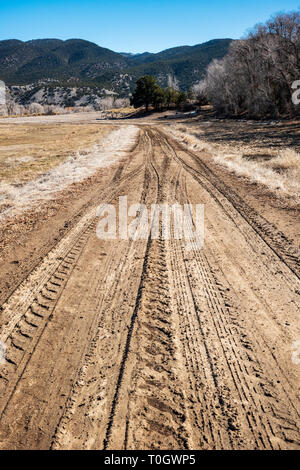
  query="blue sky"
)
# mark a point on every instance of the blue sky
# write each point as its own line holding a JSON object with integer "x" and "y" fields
{"x": 135, "y": 26}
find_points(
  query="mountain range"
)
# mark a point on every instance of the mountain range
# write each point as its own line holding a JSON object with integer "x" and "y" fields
{"x": 76, "y": 62}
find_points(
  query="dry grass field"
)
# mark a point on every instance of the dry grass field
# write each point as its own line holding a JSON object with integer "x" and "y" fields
{"x": 27, "y": 151}
{"x": 264, "y": 153}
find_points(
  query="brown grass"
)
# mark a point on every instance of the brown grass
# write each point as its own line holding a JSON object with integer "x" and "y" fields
{"x": 276, "y": 168}
{"x": 127, "y": 110}
{"x": 29, "y": 150}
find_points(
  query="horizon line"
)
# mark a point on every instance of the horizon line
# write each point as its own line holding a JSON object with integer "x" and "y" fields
{"x": 118, "y": 52}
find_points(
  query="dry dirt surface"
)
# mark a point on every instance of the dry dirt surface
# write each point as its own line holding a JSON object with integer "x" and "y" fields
{"x": 142, "y": 344}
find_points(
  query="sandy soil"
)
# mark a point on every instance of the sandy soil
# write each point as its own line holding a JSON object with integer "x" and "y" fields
{"x": 143, "y": 344}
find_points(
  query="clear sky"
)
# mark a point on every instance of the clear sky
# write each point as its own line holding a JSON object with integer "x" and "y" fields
{"x": 135, "y": 26}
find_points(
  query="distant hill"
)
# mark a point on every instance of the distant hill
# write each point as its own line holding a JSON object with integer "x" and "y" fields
{"x": 26, "y": 62}
{"x": 76, "y": 62}
{"x": 186, "y": 63}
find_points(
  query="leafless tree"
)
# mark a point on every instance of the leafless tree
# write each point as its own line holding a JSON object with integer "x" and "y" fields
{"x": 257, "y": 74}
{"x": 35, "y": 108}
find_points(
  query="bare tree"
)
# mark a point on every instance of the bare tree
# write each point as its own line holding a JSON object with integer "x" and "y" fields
{"x": 35, "y": 108}
{"x": 256, "y": 76}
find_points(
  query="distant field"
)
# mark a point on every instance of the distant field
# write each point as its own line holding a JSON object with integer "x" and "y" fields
{"x": 27, "y": 150}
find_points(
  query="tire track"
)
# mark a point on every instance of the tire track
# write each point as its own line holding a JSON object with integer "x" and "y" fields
{"x": 276, "y": 240}
{"x": 149, "y": 363}
{"x": 36, "y": 298}
{"x": 258, "y": 397}
{"x": 113, "y": 299}
{"x": 166, "y": 354}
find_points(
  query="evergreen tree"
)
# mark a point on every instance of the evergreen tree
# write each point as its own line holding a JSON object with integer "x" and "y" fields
{"x": 145, "y": 92}
{"x": 170, "y": 96}
{"x": 181, "y": 98}
{"x": 159, "y": 97}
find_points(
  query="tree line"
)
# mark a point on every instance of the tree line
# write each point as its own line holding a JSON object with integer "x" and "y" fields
{"x": 148, "y": 93}
{"x": 257, "y": 77}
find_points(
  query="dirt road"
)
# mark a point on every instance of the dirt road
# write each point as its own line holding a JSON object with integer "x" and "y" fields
{"x": 142, "y": 344}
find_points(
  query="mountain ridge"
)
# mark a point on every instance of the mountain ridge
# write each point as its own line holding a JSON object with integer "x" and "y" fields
{"x": 77, "y": 62}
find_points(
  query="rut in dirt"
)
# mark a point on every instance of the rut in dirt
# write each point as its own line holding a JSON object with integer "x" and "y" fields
{"x": 143, "y": 344}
